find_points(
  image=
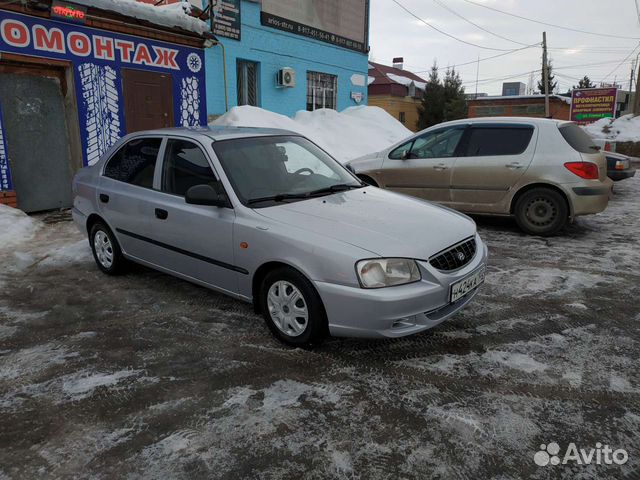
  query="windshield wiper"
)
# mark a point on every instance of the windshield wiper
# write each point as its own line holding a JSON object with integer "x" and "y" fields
{"x": 278, "y": 198}
{"x": 339, "y": 187}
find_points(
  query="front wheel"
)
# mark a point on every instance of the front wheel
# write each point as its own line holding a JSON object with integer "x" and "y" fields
{"x": 292, "y": 308}
{"x": 541, "y": 211}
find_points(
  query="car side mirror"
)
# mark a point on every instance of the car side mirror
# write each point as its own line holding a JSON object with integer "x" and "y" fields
{"x": 206, "y": 195}
{"x": 404, "y": 155}
{"x": 350, "y": 168}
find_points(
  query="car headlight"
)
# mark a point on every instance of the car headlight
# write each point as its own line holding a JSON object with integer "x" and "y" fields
{"x": 387, "y": 272}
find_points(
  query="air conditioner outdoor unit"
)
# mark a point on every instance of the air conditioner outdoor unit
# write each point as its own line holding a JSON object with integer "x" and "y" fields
{"x": 286, "y": 77}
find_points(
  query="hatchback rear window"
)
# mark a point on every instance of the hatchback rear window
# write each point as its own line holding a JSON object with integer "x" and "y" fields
{"x": 577, "y": 138}
{"x": 489, "y": 141}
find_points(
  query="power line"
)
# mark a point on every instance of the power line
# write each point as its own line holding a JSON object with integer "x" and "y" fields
{"x": 438, "y": 2}
{"x": 445, "y": 33}
{"x": 550, "y": 24}
{"x": 488, "y": 58}
{"x": 510, "y": 76}
{"x": 620, "y": 64}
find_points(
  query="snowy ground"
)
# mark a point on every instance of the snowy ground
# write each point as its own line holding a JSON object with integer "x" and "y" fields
{"x": 149, "y": 376}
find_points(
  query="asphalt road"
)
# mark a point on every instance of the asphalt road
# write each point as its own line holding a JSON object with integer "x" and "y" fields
{"x": 149, "y": 376}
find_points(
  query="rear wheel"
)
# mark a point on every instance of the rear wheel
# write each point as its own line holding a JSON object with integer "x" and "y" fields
{"x": 541, "y": 211}
{"x": 292, "y": 308}
{"x": 106, "y": 251}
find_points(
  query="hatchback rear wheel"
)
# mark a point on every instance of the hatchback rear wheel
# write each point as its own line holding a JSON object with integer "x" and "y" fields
{"x": 541, "y": 211}
{"x": 292, "y": 308}
{"x": 106, "y": 251}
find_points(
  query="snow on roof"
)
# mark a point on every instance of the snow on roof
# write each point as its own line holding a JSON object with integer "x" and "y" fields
{"x": 623, "y": 129}
{"x": 567, "y": 100}
{"x": 370, "y": 79}
{"x": 406, "y": 81}
{"x": 173, "y": 15}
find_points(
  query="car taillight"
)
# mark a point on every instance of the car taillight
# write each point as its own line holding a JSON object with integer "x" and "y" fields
{"x": 586, "y": 170}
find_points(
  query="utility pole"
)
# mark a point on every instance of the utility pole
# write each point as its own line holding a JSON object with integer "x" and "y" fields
{"x": 636, "y": 98}
{"x": 545, "y": 75}
{"x": 477, "y": 75}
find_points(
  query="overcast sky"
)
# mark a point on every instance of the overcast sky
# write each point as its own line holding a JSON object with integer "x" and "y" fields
{"x": 394, "y": 32}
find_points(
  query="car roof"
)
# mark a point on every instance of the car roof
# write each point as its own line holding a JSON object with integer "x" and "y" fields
{"x": 499, "y": 120}
{"x": 218, "y": 133}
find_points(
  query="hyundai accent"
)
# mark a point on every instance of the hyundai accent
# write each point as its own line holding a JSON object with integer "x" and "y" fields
{"x": 268, "y": 217}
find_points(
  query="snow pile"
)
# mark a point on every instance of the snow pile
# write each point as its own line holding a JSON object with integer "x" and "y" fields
{"x": 173, "y": 15}
{"x": 346, "y": 135}
{"x": 15, "y": 226}
{"x": 623, "y": 129}
{"x": 406, "y": 81}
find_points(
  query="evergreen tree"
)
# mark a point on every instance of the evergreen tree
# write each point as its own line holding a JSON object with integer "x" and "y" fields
{"x": 455, "y": 101}
{"x": 551, "y": 83}
{"x": 585, "y": 82}
{"x": 431, "y": 108}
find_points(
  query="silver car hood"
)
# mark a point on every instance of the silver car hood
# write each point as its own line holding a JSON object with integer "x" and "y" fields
{"x": 385, "y": 223}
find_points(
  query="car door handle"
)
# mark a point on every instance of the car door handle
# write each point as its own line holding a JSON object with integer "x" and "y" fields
{"x": 440, "y": 166}
{"x": 104, "y": 198}
{"x": 161, "y": 214}
{"x": 513, "y": 165}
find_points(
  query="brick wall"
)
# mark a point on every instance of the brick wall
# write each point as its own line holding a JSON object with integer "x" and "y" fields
{"x": 628, "y": 148}
{"x": 518, "y": 107}
{"x": 8, "y": 198}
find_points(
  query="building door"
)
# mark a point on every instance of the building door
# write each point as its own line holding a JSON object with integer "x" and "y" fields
{"x": 148, "y": 100}
{"x": 37, "y": 138}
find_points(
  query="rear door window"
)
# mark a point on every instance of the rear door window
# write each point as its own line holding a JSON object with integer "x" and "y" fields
{"x": 577, "y": 138}
{"x": 135, "y": 162}
{"x": 185, "y": 165}
{"x": 493, "y": 141}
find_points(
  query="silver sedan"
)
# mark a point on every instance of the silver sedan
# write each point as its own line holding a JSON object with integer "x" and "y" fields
{"x": 268, "y": 217}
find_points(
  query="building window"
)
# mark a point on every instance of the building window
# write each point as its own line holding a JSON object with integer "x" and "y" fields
{"x": 490, "y": 111}
{"x": 402, "y": 117}
{"x": 247, "y": 80}
{"x": 322, "y": 90}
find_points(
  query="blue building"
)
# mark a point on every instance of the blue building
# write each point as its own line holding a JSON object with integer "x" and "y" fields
{"x": 290, "y": 55}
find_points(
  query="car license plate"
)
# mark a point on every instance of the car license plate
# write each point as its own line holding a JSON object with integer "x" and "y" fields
{"x": 461, "y": 288}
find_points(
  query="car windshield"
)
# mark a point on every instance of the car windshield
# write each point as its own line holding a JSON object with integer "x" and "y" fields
{"x": 274, "y": 169}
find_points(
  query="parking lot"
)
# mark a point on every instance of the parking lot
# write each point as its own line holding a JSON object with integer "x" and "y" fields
{"x": 149, "y": 376}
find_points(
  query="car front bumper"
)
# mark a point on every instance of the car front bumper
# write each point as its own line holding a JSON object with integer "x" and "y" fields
{"x": 401, "y": 310}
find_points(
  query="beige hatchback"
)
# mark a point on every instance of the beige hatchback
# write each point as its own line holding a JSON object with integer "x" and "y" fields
{"x": 543, "y": 172}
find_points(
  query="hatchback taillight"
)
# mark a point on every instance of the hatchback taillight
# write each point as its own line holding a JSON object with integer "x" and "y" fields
{"x": 586, "y": 170}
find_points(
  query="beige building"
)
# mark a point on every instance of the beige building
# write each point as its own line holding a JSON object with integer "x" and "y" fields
{"x": 397, "y": 91}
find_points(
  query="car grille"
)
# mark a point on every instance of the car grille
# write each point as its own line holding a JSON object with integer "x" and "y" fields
{"x": 455, "y": 257}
